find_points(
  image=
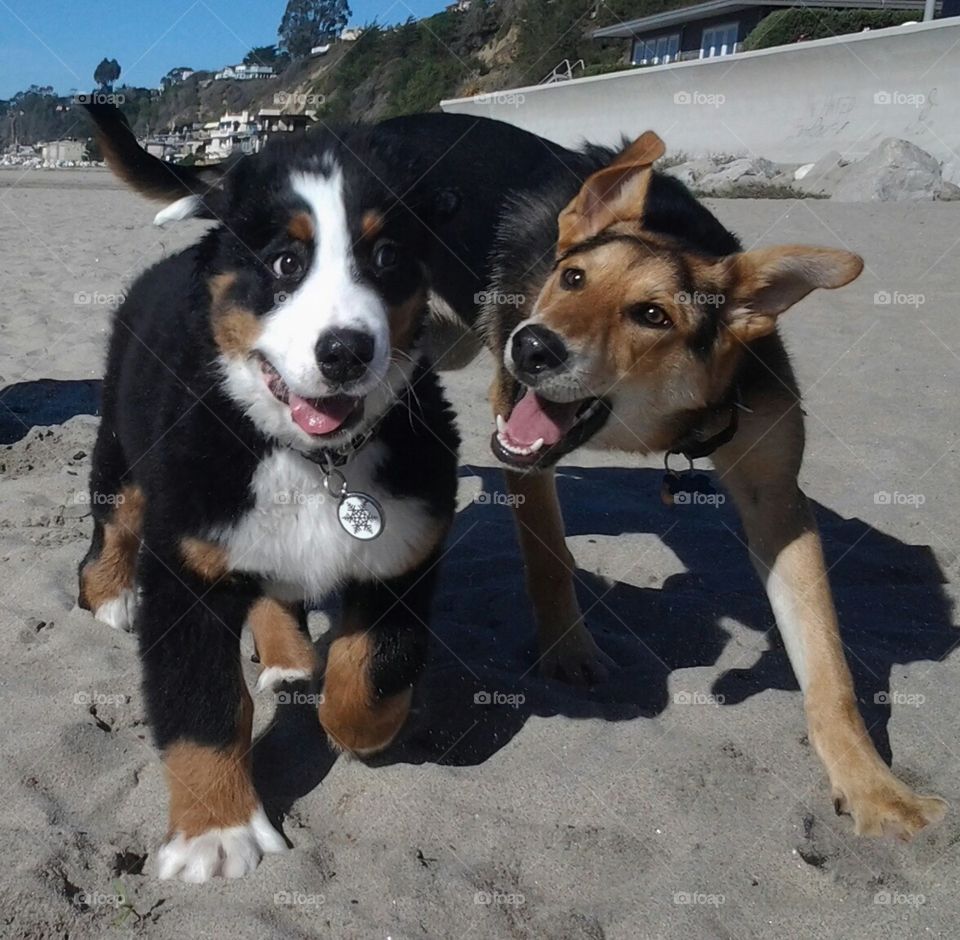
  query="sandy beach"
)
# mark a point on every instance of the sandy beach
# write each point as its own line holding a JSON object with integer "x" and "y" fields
{"x": 680, "y": 798}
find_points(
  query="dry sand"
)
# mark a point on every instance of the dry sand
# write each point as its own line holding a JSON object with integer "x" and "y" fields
{"x": 612, "y": 813}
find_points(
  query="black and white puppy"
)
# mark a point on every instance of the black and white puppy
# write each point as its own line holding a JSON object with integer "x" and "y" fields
{"x": 270, "y": 434}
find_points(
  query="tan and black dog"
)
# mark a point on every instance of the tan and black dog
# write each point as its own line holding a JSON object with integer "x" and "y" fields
{"x": 641, "y": 341}
{"x": 640, "y": 325}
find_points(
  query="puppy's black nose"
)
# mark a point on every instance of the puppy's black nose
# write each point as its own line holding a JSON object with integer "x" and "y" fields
{"x": 343, "y": 355}
{"x": 536, "y": 350}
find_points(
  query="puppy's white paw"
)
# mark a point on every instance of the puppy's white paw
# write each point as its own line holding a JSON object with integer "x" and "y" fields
{"x": 273, "y": 676}
{"x": 231, "y": 853}
{"x": 120, "y": 612}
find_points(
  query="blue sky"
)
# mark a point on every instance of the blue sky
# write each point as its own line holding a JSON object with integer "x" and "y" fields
{"x": 59, "y": 42}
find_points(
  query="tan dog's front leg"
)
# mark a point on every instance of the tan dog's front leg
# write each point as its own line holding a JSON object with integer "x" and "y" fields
{"x": 567, "y": 651}
{"x": 786, "y": 551}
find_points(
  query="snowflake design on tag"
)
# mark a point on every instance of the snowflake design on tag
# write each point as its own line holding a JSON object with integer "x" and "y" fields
{"x": 361, "y": 516}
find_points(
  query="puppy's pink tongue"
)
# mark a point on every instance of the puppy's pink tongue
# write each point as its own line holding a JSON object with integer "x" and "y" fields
{"x": 321, "y": 415}
{"x": 534, "y": 417}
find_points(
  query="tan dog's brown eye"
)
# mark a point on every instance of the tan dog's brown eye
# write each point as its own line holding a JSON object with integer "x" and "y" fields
{"x": 651, "y": 315}
{"x": 286, "y": 265}
{"x": 573, "y": 278}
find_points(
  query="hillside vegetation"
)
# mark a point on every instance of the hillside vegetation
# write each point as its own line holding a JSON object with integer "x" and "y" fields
{"x": 413, "y": 66}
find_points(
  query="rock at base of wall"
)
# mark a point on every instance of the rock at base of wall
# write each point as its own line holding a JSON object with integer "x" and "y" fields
{"x": 739, "y": 171}
{"x": 895, "y": 170}
{"x": 950, "y": 192}
{"x": 822, "y": 177}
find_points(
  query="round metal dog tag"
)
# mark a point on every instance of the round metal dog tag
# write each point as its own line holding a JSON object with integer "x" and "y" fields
{"x": 360, "y": 515}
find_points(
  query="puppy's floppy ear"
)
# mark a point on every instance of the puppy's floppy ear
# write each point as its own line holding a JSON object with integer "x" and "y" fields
{"x": 615, "y": 193}
{"x": 765, "y": 282}
{"x": 191, "y": 191}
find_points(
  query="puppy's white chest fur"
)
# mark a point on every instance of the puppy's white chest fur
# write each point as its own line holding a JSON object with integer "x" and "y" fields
{"x": 293, "y": 537}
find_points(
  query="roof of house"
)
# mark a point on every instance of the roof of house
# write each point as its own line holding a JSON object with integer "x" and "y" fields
{"x": 699, "y": 11}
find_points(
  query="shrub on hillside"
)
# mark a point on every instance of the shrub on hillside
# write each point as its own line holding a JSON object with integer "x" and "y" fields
{"x": 797, "y": 24}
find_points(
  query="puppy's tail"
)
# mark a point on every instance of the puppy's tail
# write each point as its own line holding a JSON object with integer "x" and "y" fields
{"x": 192, "y": 191}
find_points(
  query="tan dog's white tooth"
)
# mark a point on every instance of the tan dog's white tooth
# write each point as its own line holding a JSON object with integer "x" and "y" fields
{"x": 501, "y": 424}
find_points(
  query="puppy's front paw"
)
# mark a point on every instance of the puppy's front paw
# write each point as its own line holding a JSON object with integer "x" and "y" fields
{"x": 576, "y": 659}
{"x": 887, "y": 807}
{"x": 231, "y": 852}
{"x": 120, "y": 612}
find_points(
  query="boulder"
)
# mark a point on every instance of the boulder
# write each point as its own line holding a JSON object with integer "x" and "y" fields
{"x": 949, "y": 192}
{"x": 822, "y": 177}
{"x": 741, "y": 170}
{"x": 895, "y": 170}
{"x": 690, "y": 171}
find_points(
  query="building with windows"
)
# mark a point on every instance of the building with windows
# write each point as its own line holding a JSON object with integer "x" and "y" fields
{"x": 245, "y": 72}
{"x": 716, "y": 27}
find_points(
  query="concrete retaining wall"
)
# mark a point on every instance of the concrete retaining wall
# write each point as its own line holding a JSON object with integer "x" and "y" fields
{"x": 792, "y": 104}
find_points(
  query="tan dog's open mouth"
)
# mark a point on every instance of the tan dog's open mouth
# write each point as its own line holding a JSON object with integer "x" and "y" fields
{"x": 539, "y": 431}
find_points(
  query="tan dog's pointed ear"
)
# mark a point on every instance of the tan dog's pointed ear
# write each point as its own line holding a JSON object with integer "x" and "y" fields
{"x": 615, "y": 193}
{"x": 765, "y": 282}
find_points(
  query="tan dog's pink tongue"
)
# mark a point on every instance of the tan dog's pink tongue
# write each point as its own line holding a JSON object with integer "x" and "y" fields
{"x": 534, "y": 417}
{"x": 321, "y": 415}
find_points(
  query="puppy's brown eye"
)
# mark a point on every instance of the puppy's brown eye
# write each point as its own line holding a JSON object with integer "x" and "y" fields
{"x": 573, "y": 278}
{"x": 651, "y": 315}
{"x": 287, "y": 265}
{"x": 385, "y": 255}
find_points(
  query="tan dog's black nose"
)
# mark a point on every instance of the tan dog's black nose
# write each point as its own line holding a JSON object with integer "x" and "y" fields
{"x": 536, "y": 350}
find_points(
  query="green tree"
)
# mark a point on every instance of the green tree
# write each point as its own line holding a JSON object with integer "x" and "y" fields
{"x": 106, "y": 73}
{"x": 308, "y": 23}
{"x": 262, "y": 55}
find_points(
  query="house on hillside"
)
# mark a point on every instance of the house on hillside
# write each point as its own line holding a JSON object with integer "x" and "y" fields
{"x": 233, "y": 133}
{"x": 272, "y": 121}
{"x": 352, "y": 34}
{"x": 244, "y": 73}
{"x": 716, "y": 27}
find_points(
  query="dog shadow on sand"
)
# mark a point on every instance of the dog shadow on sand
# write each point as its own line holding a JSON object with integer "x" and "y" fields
{"x": 482, "y": 683}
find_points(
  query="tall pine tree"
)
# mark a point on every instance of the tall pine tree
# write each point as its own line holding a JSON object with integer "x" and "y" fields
{"x": 309, "y": 23}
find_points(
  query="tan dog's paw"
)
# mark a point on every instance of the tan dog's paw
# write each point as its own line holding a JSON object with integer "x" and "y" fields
{"x": 576, "y": 659}
{"x": 887, "y": 807}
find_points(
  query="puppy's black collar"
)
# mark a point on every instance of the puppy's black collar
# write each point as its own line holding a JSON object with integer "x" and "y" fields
{"x": 336, "y": 457}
